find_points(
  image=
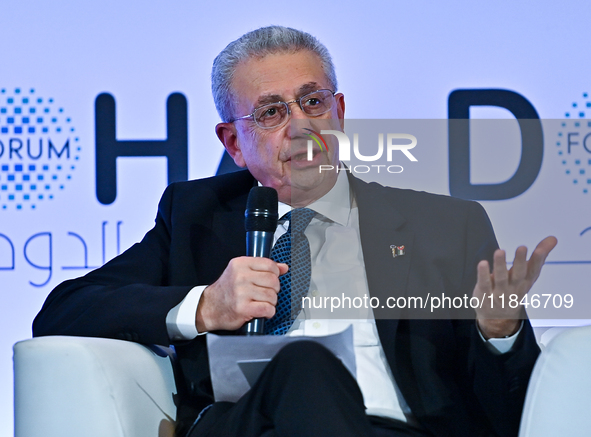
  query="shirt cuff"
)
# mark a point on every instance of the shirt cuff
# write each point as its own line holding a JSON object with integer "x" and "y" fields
{"x": 500, "y": 345}
{"x": 180, "y": 320}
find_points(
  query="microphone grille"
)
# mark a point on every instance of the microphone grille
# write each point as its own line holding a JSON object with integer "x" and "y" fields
{"x": 261, "y": 210}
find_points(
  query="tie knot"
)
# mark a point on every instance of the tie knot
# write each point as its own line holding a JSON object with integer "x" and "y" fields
{"x": 299, "y": 219}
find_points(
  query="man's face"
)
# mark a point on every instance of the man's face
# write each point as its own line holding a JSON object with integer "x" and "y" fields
{"x": 277, "y": 157}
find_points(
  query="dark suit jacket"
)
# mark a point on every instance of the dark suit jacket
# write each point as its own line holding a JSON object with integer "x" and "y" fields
{"x": 454, "y": 385}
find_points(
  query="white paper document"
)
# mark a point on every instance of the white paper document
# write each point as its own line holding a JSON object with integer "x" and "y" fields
{"x": 235, "y": 362}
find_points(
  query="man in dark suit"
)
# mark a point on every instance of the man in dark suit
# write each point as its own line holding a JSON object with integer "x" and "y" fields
{"x": 435, "y": 377}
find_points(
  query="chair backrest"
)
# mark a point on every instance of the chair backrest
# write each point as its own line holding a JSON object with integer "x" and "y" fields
{"x": 92, "y": 387}
{"x": 558, "y": 400}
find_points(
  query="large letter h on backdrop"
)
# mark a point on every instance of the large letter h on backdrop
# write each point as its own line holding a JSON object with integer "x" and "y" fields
{"x": 108, "y": 148}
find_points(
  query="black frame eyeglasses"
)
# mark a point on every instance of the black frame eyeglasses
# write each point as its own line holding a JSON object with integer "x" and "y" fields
{"x": 276, "y": 114}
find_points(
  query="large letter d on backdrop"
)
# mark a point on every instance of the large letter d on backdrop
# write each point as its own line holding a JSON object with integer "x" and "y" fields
{"x": 532, "y": 144}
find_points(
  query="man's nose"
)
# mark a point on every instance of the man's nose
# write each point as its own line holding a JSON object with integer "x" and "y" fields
{"x": 296, "y": 111}
{"x": 299, "y": 119}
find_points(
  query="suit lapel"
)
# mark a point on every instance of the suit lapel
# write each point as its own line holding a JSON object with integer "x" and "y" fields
{"x": 228, "y": 219}
{"x": 380, "y": 227}
{"x": 220, "y": 236}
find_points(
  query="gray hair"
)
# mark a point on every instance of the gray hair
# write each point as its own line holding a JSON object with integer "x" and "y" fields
{"x": 259, "y": 43}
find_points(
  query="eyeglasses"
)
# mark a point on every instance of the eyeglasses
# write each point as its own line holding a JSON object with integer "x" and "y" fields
{"x": 276, "y": 114}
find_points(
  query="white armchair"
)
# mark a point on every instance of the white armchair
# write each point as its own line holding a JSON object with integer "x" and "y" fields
{"x": 92, "y": 387}
{"x": 558, "y": 400}
{"x": 73, "y": 386}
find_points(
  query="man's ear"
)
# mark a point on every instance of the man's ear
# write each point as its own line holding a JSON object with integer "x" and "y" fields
{"x": 226, "y": 132}
{"x": 340, "y": 101}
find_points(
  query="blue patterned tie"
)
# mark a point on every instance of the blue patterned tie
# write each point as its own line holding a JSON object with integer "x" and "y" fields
{"x": 291, "y": 248}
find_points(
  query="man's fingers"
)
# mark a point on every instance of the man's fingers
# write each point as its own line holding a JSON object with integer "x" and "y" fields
{"x": 265, "y": 280}
{"x": 519, "y": 269}
{"x": 261, "y": 264}
{"x": 546, "y": 245}
{"x": 247, "y": 309}
{"x": 262, "y": 310}
{"x": 483, "y": 279}
{"x": 268, "y": 265}
{"x": 261, "y": 294}
{"x": 500, "y": 274}
{"x": 538, "y": 257}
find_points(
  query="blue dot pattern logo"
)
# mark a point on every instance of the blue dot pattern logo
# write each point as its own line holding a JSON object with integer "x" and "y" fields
{"x": 574, "y": 144}
{"x": 39, "y": 149}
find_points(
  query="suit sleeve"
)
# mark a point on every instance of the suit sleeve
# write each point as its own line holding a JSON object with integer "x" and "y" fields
{"x": 128, "y": 298}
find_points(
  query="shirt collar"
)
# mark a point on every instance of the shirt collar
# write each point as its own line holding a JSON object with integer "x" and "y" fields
{"x": 334, "y": 205}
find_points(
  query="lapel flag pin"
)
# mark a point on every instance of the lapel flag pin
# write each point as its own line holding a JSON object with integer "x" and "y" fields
{"x": 397, "y": 250}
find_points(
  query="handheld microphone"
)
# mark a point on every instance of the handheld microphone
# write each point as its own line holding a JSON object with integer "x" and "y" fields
{"x": 260, "y": 221}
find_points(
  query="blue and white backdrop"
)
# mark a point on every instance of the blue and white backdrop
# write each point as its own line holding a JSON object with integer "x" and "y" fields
{"x": 395, "y": 60}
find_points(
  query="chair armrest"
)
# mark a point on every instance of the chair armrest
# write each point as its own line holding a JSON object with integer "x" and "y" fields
{"x": 95, "y": 387}
{"x": 559, "y": 392}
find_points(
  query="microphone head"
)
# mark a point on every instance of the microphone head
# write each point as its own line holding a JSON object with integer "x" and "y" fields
{"x": 261, "y": 210}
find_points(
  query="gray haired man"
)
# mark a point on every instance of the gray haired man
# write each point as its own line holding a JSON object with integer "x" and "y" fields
{"x": 188, "y": 277}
